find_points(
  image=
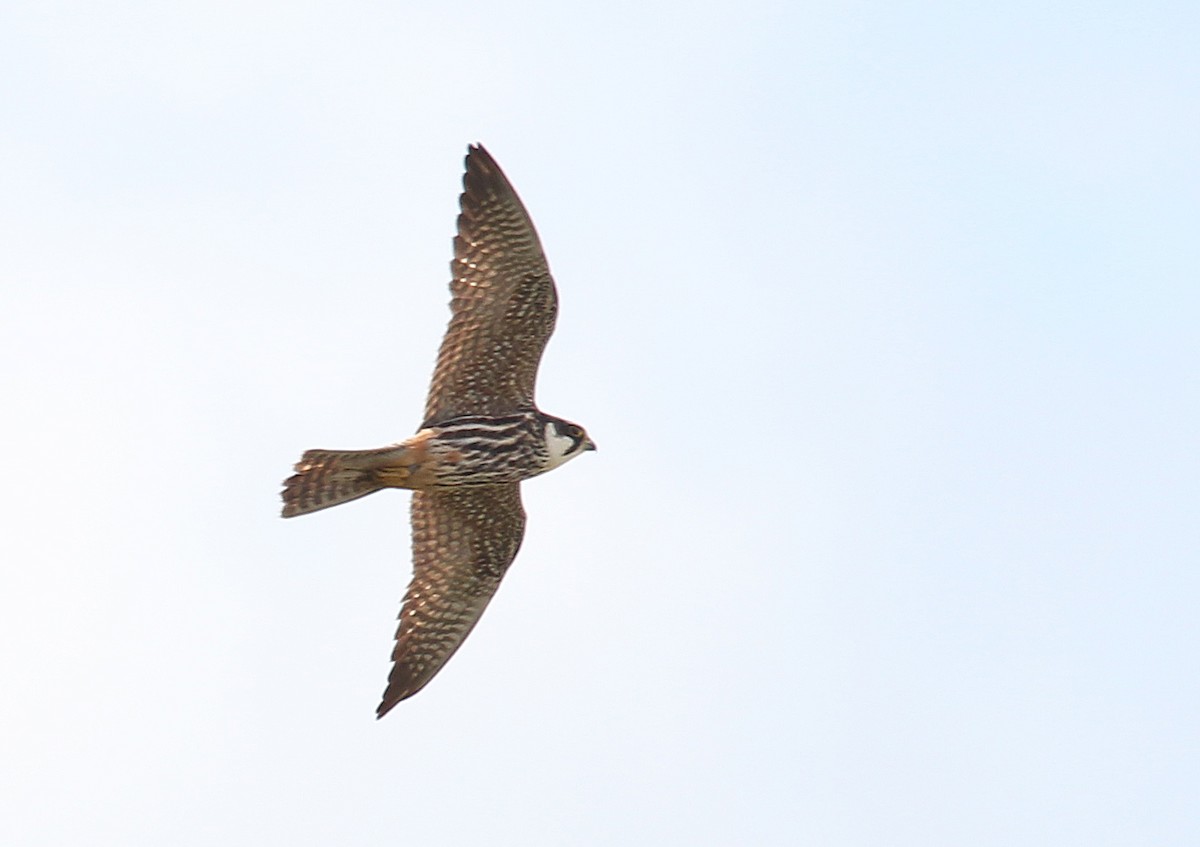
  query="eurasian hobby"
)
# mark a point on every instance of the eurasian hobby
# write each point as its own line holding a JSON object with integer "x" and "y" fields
{"x": 482, "y": 434}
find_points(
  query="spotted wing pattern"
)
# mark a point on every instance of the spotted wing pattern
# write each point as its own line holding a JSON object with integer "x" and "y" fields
{"x": 464, "y": 539}
{"x": 503, "y": 303}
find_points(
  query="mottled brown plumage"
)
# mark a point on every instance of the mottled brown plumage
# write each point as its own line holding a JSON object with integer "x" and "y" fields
{"x": 482, "y": 433}
{"x": 503, "y": 303}
{"x": 463, "y": 541}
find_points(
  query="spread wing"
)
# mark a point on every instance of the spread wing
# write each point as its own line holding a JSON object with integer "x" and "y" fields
{"x": 503, "y": 303}
{"x": 464, "y": 539}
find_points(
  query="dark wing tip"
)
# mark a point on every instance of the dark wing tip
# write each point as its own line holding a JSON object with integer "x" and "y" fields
{"x": 388, "y": 702}
{"x": 476, "y": 150}
{"x": 479, "y": 160}
{"x": 386, "y": 705}
{"x": 401, "y": 686}
{"x": 483, "y": 178}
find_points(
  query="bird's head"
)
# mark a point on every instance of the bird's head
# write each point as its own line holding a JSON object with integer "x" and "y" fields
{"x": 565, "y": 441}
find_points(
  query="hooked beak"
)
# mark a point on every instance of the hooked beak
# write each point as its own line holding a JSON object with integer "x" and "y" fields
{"x": 589, "y": 445}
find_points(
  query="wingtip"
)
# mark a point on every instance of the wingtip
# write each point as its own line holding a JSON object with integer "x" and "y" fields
{"x": 479, "y": 154}
{"x": 389, "y": 703}
{"x": 396, "y": 691}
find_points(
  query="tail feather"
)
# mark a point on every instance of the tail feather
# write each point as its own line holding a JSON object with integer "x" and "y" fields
{"x": 326, "y": 478}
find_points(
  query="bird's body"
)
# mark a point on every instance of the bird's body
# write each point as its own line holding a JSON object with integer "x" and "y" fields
{"x": 482, "y": 434}
{"x": 471, "y": 450}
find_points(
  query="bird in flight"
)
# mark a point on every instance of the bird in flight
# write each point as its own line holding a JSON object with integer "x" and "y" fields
{"x": 482, "y": 434}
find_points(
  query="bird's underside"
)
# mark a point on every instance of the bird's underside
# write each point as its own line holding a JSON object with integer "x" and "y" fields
{"x": 481, "y": 436}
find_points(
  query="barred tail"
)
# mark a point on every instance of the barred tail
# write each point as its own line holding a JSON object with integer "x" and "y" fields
{"x": 326, "y": 478}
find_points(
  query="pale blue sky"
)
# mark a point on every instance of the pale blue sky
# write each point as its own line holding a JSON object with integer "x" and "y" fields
{"x": 884, "y": 317}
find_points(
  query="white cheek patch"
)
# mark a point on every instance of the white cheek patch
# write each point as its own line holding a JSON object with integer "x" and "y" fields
{"x": 559, "y": 446}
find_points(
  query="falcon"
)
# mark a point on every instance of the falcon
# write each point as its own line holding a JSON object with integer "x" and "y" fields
{"x": 482, "y": 435}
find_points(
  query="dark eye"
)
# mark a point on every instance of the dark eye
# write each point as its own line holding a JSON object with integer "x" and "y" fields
{"x": 574, "y": 431}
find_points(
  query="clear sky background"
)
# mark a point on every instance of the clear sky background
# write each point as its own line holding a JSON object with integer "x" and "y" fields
{"x": 884, "y": 317}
